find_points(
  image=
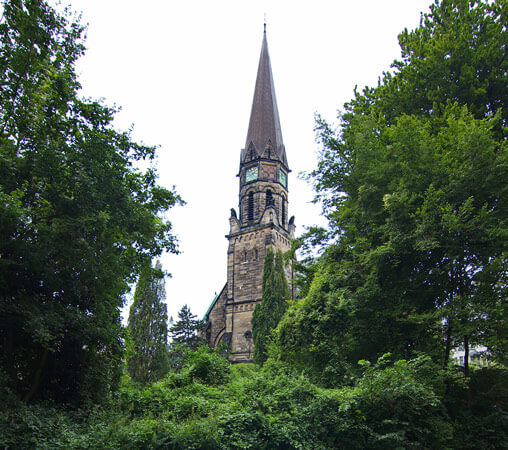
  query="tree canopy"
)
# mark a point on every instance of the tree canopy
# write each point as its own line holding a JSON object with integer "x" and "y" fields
{"x": 78, "y": 218}
{"x": 414, "y": 184}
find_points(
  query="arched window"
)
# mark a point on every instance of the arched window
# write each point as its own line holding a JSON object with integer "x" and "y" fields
{"x": 269, "y": 198}
{"x": 250, "y": 207}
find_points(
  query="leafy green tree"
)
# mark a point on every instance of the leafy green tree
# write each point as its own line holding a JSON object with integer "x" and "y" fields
{"x": 184, "y": 332}
{"x": 148, "y": 328}
{"x": 268, "y": 313}
{"x": 77, "y": 218}
{"x": 457, "y": 54}
{"x": 415, "y": 188}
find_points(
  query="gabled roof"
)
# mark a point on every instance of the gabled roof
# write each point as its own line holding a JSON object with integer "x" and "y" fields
{"x": 264, "y": 125}
{"x": 214, "y": 301}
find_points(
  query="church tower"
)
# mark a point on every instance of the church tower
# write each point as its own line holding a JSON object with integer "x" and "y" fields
{"x": 262, "y": 220}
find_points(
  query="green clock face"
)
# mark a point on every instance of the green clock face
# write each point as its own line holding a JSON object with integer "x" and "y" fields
{"x": 283, "y": 178}
{"x": 251, "y": 174}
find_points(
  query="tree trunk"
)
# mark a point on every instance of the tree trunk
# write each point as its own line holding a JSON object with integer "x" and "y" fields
{"x": 8, "y": 355}
{"x": 448, "y": 338}
{"x": 466, "y": 370}
{"x": 37, "y": 377}
{"x": 466, "y": 356}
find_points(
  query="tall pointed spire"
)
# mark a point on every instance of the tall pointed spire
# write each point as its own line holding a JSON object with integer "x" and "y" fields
{"x": 264, "y": 126}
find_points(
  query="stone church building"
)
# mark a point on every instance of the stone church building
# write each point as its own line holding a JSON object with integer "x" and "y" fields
{"x": 262, "y": 221}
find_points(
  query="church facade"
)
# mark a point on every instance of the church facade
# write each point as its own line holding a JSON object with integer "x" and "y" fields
{"x": 261, "y": 221}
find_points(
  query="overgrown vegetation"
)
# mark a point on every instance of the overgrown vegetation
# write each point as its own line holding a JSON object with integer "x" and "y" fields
{"x": 211, "y": 404}
{"x": 414, "y": 184}
{"x": 268, "y": 313}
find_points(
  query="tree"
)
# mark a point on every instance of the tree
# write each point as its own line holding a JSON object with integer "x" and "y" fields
{"x": 457, "y": 54}
{"x": 415, "y": 188}
{"x": 77, "y": 218}
{"x": 268, "y": 313}
{"x": 148, "y": 327}
{"x": 184, "y": 331}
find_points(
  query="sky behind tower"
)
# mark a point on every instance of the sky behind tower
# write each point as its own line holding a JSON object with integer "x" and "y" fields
{"x": 184, "y": 73}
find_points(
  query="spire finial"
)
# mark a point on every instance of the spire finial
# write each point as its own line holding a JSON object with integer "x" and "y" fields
{"x": 264, "y": 24}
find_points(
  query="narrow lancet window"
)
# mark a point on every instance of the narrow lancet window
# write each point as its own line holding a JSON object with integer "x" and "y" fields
{"x": 250, "y": 207}
{"x": 269, "y": 198}
{"x": 283, "y": 212}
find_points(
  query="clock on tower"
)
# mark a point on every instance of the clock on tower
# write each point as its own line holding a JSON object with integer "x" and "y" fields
{"x": 251, "y": 174}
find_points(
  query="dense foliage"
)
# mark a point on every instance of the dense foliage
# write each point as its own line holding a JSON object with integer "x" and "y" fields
{"x": 415, "y": 186}
{"x": 148, "y": 328}
{"x": 211, "y": 404}
{"x": 77, "y": 218}
{"x": 268, "y": 313}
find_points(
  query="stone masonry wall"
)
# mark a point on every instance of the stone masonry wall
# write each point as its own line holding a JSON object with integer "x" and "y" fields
{"x": 217, "y": 320}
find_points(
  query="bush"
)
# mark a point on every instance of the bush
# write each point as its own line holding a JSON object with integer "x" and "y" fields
{"x": 207, "y": 367}
{"x": 401, "y": 409}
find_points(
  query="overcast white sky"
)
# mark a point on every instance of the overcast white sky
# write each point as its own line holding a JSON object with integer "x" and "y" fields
{"x": 184, "y": 72}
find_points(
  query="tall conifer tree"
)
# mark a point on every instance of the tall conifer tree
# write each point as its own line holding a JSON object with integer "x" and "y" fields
{"x": 268, "y": 313}
{"x": 185, "y": 330}
{"x": 148, "y": 327}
